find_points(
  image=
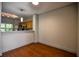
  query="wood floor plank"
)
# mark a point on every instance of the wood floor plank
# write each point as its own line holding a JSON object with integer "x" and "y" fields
{"x": 37, "y": 50}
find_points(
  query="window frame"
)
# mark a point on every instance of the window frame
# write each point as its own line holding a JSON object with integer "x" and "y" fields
{"x": 5, "y": 28}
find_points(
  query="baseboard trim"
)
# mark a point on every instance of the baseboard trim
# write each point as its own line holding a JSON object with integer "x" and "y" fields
{"x": 43, "y": 44}
{"x": 18, "y": 48}
{"x": 58, "y": 49}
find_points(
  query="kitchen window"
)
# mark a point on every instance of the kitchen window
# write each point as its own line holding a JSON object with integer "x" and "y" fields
{"x": 6, "y": 27}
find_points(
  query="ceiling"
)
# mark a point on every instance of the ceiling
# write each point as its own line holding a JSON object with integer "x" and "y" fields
{"x": 26, "y": 9}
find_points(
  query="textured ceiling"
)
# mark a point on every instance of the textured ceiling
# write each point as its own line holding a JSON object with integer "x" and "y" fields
{"x": 26, "y": 9}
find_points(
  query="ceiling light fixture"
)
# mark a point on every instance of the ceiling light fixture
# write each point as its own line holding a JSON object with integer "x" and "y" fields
{"x": 21, "y": 9}
{"x": 35, "y": 3}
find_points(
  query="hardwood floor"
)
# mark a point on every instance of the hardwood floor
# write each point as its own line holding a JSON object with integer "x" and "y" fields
{"x": 37, "y": 50}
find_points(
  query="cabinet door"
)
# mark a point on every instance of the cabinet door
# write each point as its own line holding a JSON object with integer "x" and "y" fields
{"x": 29, "y": 25}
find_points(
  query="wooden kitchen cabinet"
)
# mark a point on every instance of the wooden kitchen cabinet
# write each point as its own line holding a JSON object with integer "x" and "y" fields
{"x": 25, "y": 25}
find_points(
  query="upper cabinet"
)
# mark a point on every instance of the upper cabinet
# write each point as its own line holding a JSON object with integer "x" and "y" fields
{"x": 27, "y": 25}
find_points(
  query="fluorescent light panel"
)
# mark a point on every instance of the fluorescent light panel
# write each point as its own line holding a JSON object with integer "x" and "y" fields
{"x": 21, "y": 19}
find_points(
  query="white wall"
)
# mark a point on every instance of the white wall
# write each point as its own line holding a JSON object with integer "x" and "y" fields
{"x": 15, "y": 39}
{"x": 35, "y": 27}
{"x": 78, "y": 32}
{"x": 58, "y": 28}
